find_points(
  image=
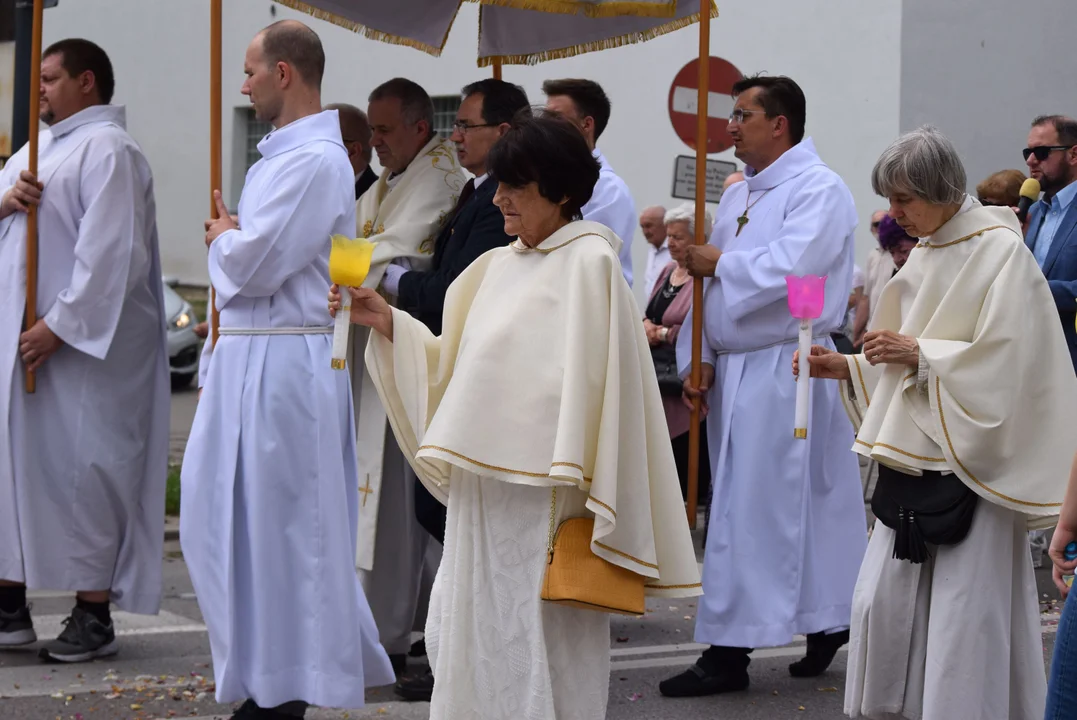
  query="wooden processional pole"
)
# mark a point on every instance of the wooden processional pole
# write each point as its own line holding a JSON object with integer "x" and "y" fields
{"x": 700, "y": 239}
{"x": 497, "y": 70}
{"x": 215, "y": 179}
{"x": 30, "y": 318}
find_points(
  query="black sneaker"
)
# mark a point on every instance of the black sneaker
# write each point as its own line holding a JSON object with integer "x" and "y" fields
{"x": 17, "y": 628}
{"x": 83, "y": 638}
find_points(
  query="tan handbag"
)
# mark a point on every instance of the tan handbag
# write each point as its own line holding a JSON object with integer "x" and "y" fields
{"x": 577, "y": 577}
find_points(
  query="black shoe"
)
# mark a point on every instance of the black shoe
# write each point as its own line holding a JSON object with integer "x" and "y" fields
{"x": 419, "y": 688}
{"x": 250, "y": 710}
{"x": 83, "y": 638}
{"x": 821, "y": 651}
{"x": 418, "y": 649}
{"x": 399, "y": 663}
{"x": 718, "y": 670}
{"x": 17, "y": 628}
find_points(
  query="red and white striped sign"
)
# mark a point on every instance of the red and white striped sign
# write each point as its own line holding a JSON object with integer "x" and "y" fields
{"x": 684, "y": 101}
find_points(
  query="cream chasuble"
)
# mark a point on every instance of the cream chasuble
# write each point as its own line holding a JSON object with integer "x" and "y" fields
{"x": 1000, "y": 386}
{"x": 404, "y": 221}
{"x": 543, "y": 377}
{"x": 958, "y": 636}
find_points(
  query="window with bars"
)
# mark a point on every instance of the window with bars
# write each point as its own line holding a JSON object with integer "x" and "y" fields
{"x": 445, "y": 107}
{"x": 255, "y": 131}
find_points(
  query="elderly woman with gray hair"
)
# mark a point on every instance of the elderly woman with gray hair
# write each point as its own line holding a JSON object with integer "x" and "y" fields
{"x": 963, "y": 394}
{"x": 670, "y": 301}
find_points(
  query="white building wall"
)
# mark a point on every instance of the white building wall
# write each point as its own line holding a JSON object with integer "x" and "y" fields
{"x": 981, "y": 70}
{"x": 844, "y": 53}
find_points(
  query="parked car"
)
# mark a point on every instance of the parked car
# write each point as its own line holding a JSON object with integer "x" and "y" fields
{"x": 184, "y": 346}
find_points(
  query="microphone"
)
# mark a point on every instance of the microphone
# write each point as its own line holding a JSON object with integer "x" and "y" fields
{"x": 1030, "y": 193}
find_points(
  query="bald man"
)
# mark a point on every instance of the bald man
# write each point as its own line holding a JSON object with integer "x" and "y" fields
{"x": 732, "y": 179}
{"x": 270, "y": 477}
{"x": 652, "y": 221}
{"x": 355, "y": 129}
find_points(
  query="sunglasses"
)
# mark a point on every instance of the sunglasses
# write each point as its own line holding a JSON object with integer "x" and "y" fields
{"x": 876, "y": 223}
{"x": 1043, "y": 151}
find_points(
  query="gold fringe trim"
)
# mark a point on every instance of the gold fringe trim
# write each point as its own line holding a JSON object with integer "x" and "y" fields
{"x": 950, "y": 444}
{"x": 368, "y": 32}
{"x": 607, "y": 44}
{"x": 603, "y": 10}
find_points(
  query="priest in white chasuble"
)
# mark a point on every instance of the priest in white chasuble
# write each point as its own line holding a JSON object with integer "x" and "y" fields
{"x": 270, "y": 491}
{"x": 402, "y": 212}
{"x": 537, "y": 403}
{"x": 964, "y": 394}
{"x": 787, "y": 528}
{"x": 83, "y": 459}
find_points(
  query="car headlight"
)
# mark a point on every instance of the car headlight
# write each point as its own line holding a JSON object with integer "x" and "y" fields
{"x": 183, "y": 319}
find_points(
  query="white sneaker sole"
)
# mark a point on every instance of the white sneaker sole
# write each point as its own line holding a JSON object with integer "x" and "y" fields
{"x": 104, "y": 651}
{"x": 18, "y": 638}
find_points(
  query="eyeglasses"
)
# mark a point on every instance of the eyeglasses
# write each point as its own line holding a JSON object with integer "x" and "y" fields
{"x": 463, "y": 127}
{"x": 1041, "y": 152}
{"x": 875, "y": 224}
{"x": 738, "y": 115}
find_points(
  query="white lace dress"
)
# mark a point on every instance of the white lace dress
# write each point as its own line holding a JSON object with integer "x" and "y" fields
{"x": 497, "y": 650}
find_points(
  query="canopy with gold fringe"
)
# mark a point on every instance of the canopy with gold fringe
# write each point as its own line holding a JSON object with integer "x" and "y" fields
{"x": 511, "y": 32}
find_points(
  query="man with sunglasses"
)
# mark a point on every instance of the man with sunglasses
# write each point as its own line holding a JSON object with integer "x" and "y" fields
{"x": 1051, "y": 157}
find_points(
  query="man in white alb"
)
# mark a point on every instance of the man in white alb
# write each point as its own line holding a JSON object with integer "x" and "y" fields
{"x": 585, "y": 103}
{"x": 788, "y": 530}
{"x": 83, "y": 459}
{"x": 402, "y": 213}
{"x": 270, "y": 491}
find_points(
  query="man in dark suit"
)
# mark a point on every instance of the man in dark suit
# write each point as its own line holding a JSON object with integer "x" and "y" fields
{"x": 1051, "y": 157}
{"x": 475, "y": 227}
{"x": 355, "y": 130}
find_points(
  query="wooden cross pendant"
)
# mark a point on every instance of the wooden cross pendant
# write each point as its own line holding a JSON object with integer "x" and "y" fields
{"x": 741, "y": 222}
{"x": 366, "y": 490}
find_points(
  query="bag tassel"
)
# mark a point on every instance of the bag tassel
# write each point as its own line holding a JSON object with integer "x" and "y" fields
{"x": 908, "y": 541}
{"x": 917, "y": 546}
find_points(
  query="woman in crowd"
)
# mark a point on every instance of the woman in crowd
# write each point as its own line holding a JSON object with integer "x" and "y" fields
{"x": 1001, "y": 188}
{"x": 1062, "y": 688}
{"x": 666, "y": 310}
{"x": 895, "y": 240}
{"x": 963, "y": 394}
{"x": 537, "y": 403}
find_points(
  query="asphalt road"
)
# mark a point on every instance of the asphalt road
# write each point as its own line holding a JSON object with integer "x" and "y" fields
{"x": 163, "y": 671}
{"x": 163, "y": 668}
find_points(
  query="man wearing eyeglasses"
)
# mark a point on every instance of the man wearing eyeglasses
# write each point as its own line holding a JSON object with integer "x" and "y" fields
{"x": 356, "y": 133}
{"x": 880, "y": 268}
{"x": 1051, "y": 157}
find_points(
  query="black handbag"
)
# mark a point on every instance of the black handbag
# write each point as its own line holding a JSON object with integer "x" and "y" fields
{"x": 930, "y": 508}
{"x": 664, "y": 356}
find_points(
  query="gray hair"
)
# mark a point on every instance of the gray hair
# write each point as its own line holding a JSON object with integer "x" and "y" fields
{"x": 923, "y": 163}
{"x": 687, "y": 213}
{"x": 415, "y": 104}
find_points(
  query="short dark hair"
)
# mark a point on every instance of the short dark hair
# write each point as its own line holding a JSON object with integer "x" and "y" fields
{"x": 293, "y": 43}
{"x": 779, "y": 96}
{"x": 78, "y": 56}
{"x": 501, "y": 101}
{"x": 354, "y": 126}
{"x": 415, "y": 103}
{"x": 550, "y": 151}
{"x": 1065, "y": 126}
{"x": 588, "y": 96}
